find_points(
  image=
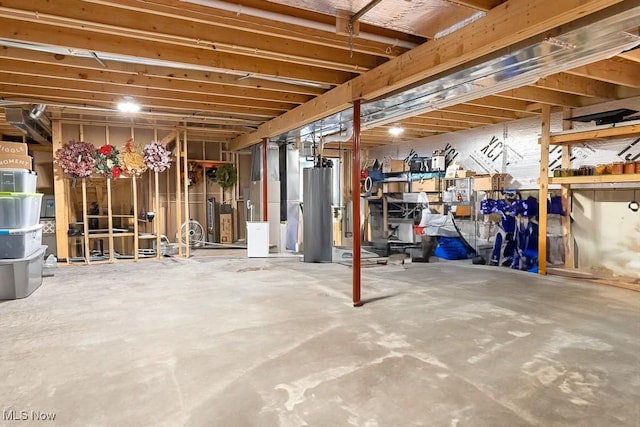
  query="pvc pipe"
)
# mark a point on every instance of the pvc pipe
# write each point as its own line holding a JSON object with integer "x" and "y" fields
{"x": 259, "y": 13}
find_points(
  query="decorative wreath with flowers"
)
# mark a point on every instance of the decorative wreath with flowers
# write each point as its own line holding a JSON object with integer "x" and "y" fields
{"x": 131, "y": 159}
{"x": 76, "y": 159}
{"x": 107, "y": 161}
{"x": 157, "y": 157}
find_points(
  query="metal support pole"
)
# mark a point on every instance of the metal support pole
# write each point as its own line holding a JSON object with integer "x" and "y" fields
{"x": 265, "y": 191}
{"x": 355, "y": 203}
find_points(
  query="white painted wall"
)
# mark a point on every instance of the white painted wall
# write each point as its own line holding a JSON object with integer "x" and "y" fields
{"x": 606, "y": 231}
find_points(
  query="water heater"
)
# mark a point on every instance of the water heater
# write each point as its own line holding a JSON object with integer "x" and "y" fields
{"x": 317, "y": 215}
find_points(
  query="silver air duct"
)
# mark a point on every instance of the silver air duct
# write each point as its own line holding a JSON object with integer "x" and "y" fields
{"x": 33, "y": 123}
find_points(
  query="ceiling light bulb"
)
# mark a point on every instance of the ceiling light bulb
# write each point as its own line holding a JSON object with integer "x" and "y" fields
{"x": 396, "y": 130}
{"x": 128, "y": 105}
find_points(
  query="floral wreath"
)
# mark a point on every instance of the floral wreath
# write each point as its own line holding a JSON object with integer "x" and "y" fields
{"x": 107, "y": 161}
{"x": 157, "y": 157}
{"x": 226, "y": 176}
{"x": 76, "y": 159}
{"x": 131, "y": 160}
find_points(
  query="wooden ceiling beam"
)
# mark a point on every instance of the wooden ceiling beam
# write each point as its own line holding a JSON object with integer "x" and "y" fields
{"x": 70, "y": 114}
{"x": 483, "y": 5}
{"x": 172, "y": 73}
{"x": 173, "y": 30}
{"x": 35, "y": 32}
{"x": 160, "y": 95}
{"x": 327, "y": 19}
{"x": 578, "y": 85}
{"x": 258, "y": 27}
{"x": 616, "y": 71}
{"x": 502, "y": 103}
{"x": 543, "y": 96}
{"x": 472, "y": 119}
{"x": 431, "y": 128}
{"x": 407, "y": 134}
{"x": 181, "y": 87}
{"x": 503, "y": 26}
{"x": 487, "y": 112}
{"x": 631, "y": 55}
{"x": 108, "y": 101}
{"x": 434, "y": 124}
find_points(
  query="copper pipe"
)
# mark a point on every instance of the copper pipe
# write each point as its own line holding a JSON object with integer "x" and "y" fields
{"x": 265, "y": 191}
{"x": 355, "y": 203}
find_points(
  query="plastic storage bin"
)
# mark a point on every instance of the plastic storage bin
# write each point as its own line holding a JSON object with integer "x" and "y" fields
{"x": 21, "y": 242}
{"x": 19, "y": 210}
{"x": 18, "y": 181}
{"x": 20, "y": 277}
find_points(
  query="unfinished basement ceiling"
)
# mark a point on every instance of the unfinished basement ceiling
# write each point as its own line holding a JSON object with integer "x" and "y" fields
{"x": 238, "y": 77}
{"x": 424, "y": 18}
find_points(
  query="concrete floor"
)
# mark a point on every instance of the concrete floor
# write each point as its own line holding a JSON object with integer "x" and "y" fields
{"x": 218, "y": 341}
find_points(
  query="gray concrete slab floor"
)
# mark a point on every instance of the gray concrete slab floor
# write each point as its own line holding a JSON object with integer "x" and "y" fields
{"x": 274, "y": 342}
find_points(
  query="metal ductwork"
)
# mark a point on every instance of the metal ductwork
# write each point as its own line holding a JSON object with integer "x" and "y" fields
{"x": 33, "y": 122}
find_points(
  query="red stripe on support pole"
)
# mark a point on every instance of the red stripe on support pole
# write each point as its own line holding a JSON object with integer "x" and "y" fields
{"x": 265, "y": 180}
{"x": 355, "y": 203}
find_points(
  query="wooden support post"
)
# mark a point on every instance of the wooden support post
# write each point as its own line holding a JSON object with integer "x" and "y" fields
{"x": 544, "y": 187}
{"x": 157, "y": 207}
{"x": 265, "y": 182}
{"x": 203, "y": 205}
{"x": 61, "y": 191}
{"x": 85, "y": 221}
{"x": 178, "y": 191}
{"x": 110, "y": 221}
{"x": 136, "y": 234}
{"x": 187, "y": 217}
{"x": 85, "y": 224}
{"x": 566, "y": 194}
{"x": 355, "y": 197}
{"x": 385, "y": 217}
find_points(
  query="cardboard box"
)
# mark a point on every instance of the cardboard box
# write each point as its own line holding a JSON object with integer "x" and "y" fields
{"x": 43, "y": 166}
{"x": 13, "y": 148}
{"x": 463, "y": 210}
{"x": 15, "y": 161}
{"x": 493, "y": 182}
{"x": 463, "y": 173}
{"x": 226, "y": 228}
{"x": 395, "y": 187}
{"x": 483, "y": 183}
{"x": 424, "y": 185}
{"x": 434, "y": 198}
{"x": 395, "y": 166}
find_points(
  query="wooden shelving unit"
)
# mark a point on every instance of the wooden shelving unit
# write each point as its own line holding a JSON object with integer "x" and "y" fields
{"x": 606, "y": 132}
{"x": 596, "y": 179}
{"x": 566, "y": 139}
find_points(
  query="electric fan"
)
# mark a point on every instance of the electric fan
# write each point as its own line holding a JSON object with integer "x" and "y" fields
{"x": 193, "y": 231}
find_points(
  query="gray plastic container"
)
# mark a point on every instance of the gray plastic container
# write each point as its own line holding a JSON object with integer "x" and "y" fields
{"x": 20, "y": 243}
{"x": 18, "y": 181}
{"x": 19, "y": 210}
{"x": 20, "y": 277}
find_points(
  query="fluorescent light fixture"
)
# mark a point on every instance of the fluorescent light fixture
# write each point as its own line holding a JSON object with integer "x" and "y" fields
{"x": 128, "y": 105}
{"x": 396, "y": 130}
